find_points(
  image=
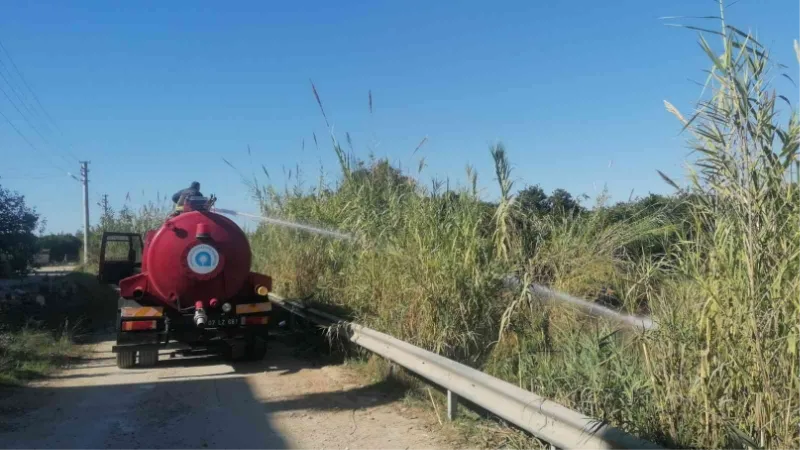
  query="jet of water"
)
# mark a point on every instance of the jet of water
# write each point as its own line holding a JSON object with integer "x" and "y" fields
{"x": 286, "y": 223}
{"x": 593, "y": 309}
{"x": 537, "y": 290}
{"x": 590, "y": 308}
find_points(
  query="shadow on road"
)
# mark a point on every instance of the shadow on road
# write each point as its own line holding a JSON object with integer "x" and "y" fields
{"x": 78, "y": 375}
{"x": 214, "y": 413}
{"x": 362, "y": 397}
{"x": 287, "y": 354}
{"x": 182, "y": 407}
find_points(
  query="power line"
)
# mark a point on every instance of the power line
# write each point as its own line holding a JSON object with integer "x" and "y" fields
{"x": 29, "y": 142}
{"x": 28, "y": 177}
{"x": 18, "y": 92}
{"x": 33, "y": 94}
{"x": 29, "y": 122}
{"x": 32, "y": 111}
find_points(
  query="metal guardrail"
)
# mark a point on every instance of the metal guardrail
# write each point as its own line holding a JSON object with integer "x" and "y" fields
{"x": 547, "y": 420}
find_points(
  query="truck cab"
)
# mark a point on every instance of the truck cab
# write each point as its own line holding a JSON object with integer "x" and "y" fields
{"x": 120, "y": 256}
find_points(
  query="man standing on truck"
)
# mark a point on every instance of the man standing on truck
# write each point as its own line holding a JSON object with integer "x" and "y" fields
{"x": 180, "y": 197}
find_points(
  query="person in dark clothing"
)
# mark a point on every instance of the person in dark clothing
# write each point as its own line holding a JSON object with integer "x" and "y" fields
{"x": 180, "y": 197}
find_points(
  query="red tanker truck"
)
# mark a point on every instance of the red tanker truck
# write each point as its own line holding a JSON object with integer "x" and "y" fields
{"x": 188, "y": 287}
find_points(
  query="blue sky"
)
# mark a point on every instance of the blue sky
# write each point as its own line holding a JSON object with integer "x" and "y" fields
{"x": 156, "y": 93}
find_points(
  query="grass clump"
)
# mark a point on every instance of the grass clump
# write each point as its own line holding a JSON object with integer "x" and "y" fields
{"x": 33, "y": 353}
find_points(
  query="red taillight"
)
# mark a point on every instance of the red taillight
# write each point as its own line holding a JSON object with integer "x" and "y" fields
{"x": 255, "y": 320}
{"x": 138, "y": 325}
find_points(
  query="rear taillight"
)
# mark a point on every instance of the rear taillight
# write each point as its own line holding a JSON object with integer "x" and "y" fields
{"x": 138, "y": 325}
{"x": 255, "y": 320}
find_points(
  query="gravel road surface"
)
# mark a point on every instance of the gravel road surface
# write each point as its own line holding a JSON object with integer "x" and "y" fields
{"x": 201, "y": 402}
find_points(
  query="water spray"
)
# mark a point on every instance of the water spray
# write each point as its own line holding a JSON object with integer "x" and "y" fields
{"x": 539, "y": 291}
{"x": 286, "y": 223}
{"x": 590, "y": 308}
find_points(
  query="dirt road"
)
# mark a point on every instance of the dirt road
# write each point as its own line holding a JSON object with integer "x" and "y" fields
{"x": 201, "y": 402}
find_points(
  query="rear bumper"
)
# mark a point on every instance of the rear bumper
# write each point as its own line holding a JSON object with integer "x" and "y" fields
{"x": 136, "y": 347}
{"x": 183, "y": 333}
{"x": 145, "y": 327}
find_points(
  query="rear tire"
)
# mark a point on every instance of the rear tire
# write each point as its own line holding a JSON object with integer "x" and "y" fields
{"x": 126, "y": 359}
{"x": 148, "y": 358}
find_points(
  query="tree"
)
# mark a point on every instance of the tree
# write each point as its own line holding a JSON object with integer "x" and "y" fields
{"x": 562, "y": 202}
{"x": 533, "y": 200}
{"x": 381, "y": 175}
{"x": 17, "y": 239}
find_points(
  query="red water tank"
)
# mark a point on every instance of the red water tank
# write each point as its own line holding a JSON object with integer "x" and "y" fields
{"x": 195, "y": 256}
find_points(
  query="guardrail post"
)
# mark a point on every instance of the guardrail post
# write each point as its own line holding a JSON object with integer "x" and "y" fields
{"x": 452, "y": 405}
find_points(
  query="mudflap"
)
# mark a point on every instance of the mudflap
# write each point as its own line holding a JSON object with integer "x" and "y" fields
{"x": 141, "y": 332}
{"x": 139, "y": 338}
{"x": 250, "y": 346}
{"x": 236, "y": 349}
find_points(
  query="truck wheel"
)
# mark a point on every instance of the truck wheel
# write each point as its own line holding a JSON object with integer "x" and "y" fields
{"x": 148, "y": 358}
{"x": 256, "y": 348}
{"x": 126, "y": 359}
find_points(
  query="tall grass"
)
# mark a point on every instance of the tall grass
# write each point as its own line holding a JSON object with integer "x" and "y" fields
{"x": 429, "y": 262}
{"x": 743, "y": 263}
{"x": 423, "y": 265}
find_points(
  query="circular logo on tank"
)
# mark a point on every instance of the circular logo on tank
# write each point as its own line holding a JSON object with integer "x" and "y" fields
{"x": 202, "y": 259}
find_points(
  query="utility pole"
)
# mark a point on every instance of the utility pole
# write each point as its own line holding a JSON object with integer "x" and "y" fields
{"x": 85, "y": 182}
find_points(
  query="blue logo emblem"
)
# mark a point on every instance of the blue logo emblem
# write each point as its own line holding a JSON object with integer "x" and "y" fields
{"x": 203, "y": 259}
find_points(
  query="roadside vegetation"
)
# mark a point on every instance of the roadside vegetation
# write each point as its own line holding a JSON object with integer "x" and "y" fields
{"x": 42, "y": 318}
{"x": 716, "y": 265}
{"x": 25, "y": 352}
{"x": 30, "y": 353}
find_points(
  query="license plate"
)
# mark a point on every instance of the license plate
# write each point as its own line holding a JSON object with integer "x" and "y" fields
{"x": 222, "y": 321}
